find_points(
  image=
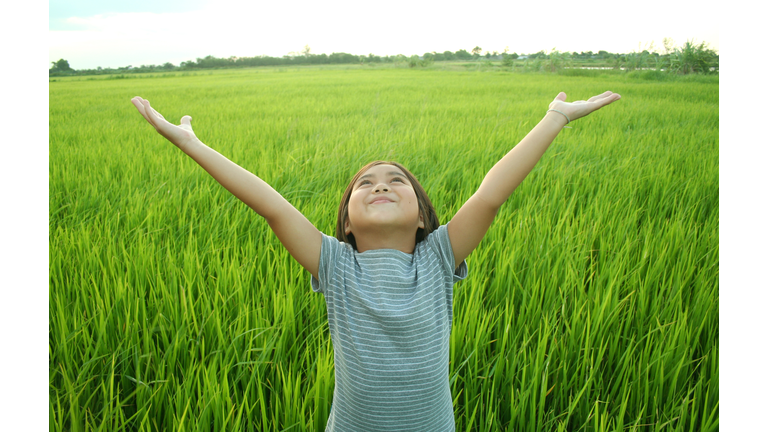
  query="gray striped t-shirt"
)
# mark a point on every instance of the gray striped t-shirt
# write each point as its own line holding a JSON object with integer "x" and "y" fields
{"x": 390, "y": 315}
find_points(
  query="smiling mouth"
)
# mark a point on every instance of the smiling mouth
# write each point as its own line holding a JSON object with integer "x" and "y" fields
{"x": 382, "y": 201}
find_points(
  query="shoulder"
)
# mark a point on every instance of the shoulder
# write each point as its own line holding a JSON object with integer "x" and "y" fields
{"x": 438, "y": 244}
{"x": 334, "y": 254}
{"x": 334, "y": 245}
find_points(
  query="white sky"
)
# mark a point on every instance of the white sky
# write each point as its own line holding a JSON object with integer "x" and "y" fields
{"x": 90, "y": 34}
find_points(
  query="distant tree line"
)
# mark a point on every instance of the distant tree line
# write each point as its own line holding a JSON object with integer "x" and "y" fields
{"x": 689, "y": 58}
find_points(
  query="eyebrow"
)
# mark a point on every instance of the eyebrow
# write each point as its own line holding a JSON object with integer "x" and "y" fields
{"x": 391, "y": 173}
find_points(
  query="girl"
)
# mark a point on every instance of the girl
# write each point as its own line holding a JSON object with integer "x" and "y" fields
{"x": 388, "y": 276}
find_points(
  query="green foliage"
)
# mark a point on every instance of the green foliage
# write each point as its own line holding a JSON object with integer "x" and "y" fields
{"x": 463, "y": 55}
{"x": 61, "y": 65}
{"x": 557, "y": 61}
{"x": 635, "y": 60}
{"x": 591, "y": 304}
{"x": 59, "y": 68}
{"x": 414, "y": 61}
{"x": 692, "y": 58}
{"x": 688, "y": 59}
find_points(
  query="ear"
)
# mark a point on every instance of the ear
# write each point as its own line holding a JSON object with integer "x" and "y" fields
{"x": 347, "y": 229}
{"x": 421, "y": 220}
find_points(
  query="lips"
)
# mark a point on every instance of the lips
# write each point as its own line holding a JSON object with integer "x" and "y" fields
{"x": 381, "y": 200}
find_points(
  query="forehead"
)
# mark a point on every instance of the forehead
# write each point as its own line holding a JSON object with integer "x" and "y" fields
{"x": 382, "y": 170}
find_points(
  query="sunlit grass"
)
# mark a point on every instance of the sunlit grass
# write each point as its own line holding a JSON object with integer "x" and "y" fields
{"x": 591, "y": 304}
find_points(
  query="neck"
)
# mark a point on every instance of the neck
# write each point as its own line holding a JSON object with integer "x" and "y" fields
{"x": 371, "y": 240}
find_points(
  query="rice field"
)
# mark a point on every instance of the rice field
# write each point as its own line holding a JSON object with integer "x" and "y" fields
{"x": 591, "y": 304}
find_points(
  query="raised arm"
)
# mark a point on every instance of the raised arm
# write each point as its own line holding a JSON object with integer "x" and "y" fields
{"x": 472, "y": 221}
{"x": 294, "y": 231}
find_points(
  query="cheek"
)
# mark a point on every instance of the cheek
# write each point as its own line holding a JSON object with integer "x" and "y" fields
{"x": 353, "y": 206}
{"x": 413, "y": 203}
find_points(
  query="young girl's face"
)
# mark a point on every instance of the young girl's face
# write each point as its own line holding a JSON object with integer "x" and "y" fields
{"x": 383, "y": 197}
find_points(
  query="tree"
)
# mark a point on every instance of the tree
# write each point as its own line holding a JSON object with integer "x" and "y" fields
{"x": 61, "y": 65}
{"x": 463, "y": 55}
{"x": 306, "y": 50}
{"x": 476, "y": 50}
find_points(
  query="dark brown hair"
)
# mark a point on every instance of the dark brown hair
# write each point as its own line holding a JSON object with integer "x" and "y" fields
{"x": 426, "y": 209}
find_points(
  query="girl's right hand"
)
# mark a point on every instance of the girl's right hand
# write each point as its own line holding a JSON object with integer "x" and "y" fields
{"x": 181, "y": 135}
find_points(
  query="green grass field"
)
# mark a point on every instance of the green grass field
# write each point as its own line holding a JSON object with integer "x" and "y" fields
{"x": 591, "y": 304}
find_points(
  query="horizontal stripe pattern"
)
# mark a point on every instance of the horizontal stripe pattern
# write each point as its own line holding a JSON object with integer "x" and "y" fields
{"x": 390, "y": 316}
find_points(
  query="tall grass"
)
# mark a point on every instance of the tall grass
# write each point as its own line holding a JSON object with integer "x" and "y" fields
{"x": 591, "y": 305}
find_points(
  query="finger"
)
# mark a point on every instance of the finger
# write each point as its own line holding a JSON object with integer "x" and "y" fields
{"x": 600, "y": 96}
{"x": 150, "y": 113}
{"x": 597, "y": 104}
{"x": 186, "y": 120}
{"x": 139, "y": 104}
{"x": 156, "y": 116}
{"x": 609, "y": 99}
{"x": 560, "y": 97}
{"x": 156, "y": 113}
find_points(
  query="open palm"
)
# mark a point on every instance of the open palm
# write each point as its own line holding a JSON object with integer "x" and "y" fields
{"x": 179, "y": 135}
{"x": 579, "y": 109}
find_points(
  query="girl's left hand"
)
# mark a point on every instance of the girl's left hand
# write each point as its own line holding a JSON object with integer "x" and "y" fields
{"x": 579, "y": 109}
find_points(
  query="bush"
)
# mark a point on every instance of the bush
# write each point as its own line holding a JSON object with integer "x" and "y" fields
{"x": 691, "y": 58}
{"x": 557, "y": 60}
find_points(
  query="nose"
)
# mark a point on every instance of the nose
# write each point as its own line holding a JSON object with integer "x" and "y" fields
{"x": 381, "y": 188}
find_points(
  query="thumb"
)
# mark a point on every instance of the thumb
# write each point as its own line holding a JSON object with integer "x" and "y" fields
{"x": 186, "y": 120}
{"x": 560, "y": 96}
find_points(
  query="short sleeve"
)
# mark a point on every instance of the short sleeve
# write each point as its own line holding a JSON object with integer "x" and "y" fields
{"x": 440, "y": 244}
{"x": 330, "y": 251}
